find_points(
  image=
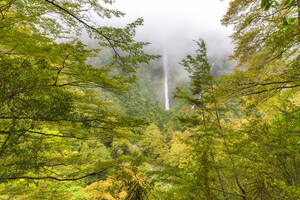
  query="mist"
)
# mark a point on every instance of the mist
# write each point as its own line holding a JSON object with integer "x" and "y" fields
{"x": 171, "y": 26}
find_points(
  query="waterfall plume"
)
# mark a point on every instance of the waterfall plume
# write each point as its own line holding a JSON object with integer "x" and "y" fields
{"x": 166, "y": 86}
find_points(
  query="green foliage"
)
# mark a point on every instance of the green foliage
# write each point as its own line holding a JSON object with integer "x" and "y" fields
{"x": 53, "y": 122}
{"x": 267, "y": 39}
{"x": 199, "y": 69}
{"x": 74, "y": 124}
{"x": 229, "y": 150}
{"x": 141, "y": 101}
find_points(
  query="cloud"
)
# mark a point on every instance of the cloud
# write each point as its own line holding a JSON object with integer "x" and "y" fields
{"x": 170, "y": 23}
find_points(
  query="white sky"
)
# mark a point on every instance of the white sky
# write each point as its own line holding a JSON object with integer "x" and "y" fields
{"x": 173, "y": 24}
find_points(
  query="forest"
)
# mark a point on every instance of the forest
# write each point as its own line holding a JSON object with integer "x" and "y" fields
{"x": 81, "y": 118}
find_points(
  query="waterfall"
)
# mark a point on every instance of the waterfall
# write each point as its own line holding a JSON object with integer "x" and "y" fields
{"x": 165, "y": 66}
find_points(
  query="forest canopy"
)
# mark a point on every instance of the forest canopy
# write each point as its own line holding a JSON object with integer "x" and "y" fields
{"x": 80, "y": 117}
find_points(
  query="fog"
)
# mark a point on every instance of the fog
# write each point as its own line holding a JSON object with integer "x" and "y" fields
{"x": 172, "y": 25}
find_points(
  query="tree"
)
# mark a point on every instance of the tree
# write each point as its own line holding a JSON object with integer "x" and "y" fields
{"x": 210, "y": 139}
{"x": 266, "y": 37}
{"x": 48, "y": 89}
{"x": 238, "y": 152}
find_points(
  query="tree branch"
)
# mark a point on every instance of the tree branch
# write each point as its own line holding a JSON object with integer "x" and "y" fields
{"x": 108, "y": 39}
{"x": 55, "y": 178}
{"x": 268, "y": 90}
{"x": 62, "y": 67}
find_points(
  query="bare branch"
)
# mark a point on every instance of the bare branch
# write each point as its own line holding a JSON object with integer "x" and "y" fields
{"x": 55, "y": 178}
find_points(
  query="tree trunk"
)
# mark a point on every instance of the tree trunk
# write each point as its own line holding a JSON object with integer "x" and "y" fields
{"x": 237, "y": 179}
